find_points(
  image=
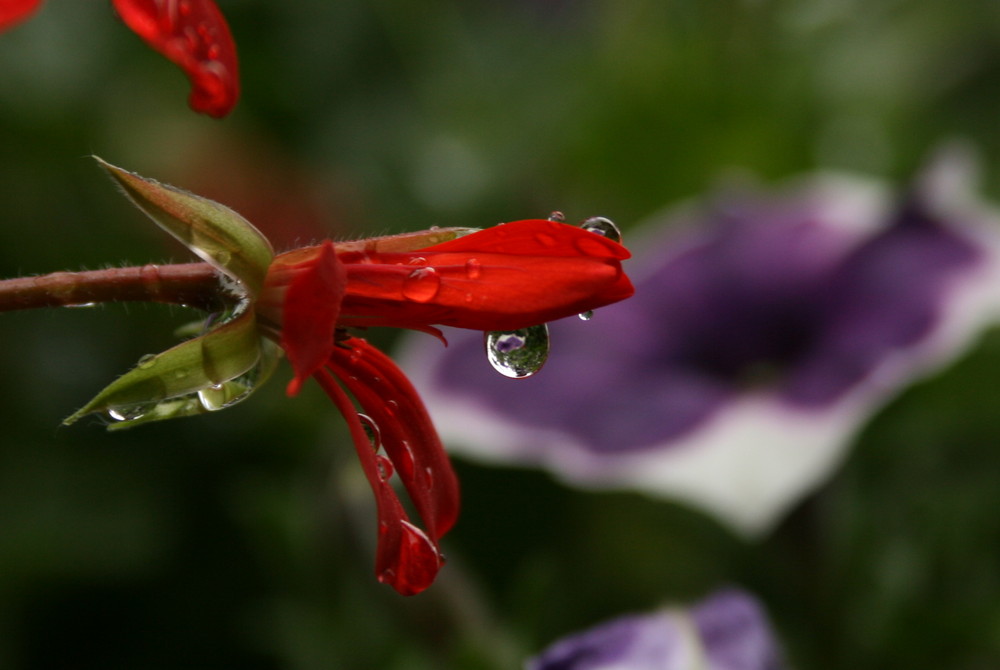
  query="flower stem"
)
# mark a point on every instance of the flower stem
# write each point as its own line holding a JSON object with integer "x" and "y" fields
{"x": 190, "y": 284}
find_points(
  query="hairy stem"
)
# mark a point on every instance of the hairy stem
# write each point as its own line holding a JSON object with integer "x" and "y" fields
{"x": 190, "y": 284}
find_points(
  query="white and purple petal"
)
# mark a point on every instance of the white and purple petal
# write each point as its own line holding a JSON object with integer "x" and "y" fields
{"x": 727, "y": 631}
{"x": 765, "y": 330}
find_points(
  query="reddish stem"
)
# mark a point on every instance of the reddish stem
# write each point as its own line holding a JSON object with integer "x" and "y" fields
{"x": 190, "y": 284}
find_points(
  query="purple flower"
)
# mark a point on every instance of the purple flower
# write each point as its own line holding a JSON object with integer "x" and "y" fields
{"x": 765, "y": 330}
{"x": 727, "y": 631}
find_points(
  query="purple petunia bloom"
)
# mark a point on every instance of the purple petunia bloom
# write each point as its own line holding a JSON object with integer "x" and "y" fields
{"x": 726, "y": 631}
{"x": 766, "y": 328}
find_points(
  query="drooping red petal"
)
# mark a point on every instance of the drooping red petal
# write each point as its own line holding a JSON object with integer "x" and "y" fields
{"x": 306, "y": 288}
{"x": 408, "y": 435}
{"x": 503, "y": 278}
{"x": 406, "y": 558}
{"x": 194, "y": 35}
{"x": 13, "y": 12}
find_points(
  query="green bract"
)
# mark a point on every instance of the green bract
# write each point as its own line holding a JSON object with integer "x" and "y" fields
{"x": 217, "y": 234}
{"x": 225, "y": 364}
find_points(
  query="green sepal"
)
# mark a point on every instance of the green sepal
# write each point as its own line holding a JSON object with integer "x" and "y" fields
{"x": 214, "y": 232}
{"x": 219, "y": 356}
{"x": 210, "y": 399}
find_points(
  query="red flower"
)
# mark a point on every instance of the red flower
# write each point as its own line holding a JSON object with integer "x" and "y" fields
{"x": 191, "y": 33}
{"x": 503, "y": 278}
{"x": 13, "y": 12}
{"x": 194, "y": 35}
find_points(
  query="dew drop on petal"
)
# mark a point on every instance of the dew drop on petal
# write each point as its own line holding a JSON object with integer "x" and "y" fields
{"x": 473, "y": 268}
{"x": 518, "y": 353}
{"x": 546, "y": 240}
{"x": 417, "y": 564}
{"x": 603, "y": 227}
{"x": 421, "y": 285}
{"x": 557, "y": 216}
{"x": 406, "y": 461}
{"x": 384, "y": 466}
{"x": 372, "y": 430}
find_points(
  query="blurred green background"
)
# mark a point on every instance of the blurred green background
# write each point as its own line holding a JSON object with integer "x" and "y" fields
{"x": 243, "y": 539}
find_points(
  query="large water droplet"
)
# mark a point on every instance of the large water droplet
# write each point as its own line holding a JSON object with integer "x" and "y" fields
{"x": 518, "y": 353}
{"x": 603, "y": 227}
{"x": 421, "y": 285}
{"x": 586, "y": 316}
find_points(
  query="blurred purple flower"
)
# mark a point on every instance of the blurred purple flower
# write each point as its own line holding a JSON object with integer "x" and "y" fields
{"x": 765, "y": 330}
{"x": 726, "y": 631}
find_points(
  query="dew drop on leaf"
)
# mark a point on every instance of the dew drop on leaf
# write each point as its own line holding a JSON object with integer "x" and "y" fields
{"x": 518, "y": 353}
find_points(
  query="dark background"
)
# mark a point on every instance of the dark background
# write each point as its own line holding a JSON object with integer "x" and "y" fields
{"x": 243, "y": 539}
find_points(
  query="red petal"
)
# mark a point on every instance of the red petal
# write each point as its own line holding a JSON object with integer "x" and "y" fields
{"x": 535, "y": 237}
{"x": 408, "y": 435}
{"x": 406, "y": 558}
{"x": 503, "y": 278}
{"x": 315, "y": 280}
{"x": 13, "y": 12}
{"x": 194, "y": 35}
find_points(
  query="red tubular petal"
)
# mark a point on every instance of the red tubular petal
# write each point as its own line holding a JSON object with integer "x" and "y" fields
{"x": 503, "y": 278}
{"x": 535, "y": 237}
{"x": 314, "y": 281}
{"x": 13, "y": 12}
{"x": 406, "y": 558}
{"x": 408, "y": 435}
{"x": 194, "y": 35}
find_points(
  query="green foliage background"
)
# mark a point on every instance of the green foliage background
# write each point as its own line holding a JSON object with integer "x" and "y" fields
{"x": 243, "y": 539}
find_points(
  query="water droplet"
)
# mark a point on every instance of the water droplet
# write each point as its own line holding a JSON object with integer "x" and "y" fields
{"x": 586, "y": 316}
{"x": 391, "y": 407}
{"x": 417, "y": 260}
{"x": 518, "y": 353}
{"x": 384, "y": 467}
{"x": 147, "y": 361}
{"x": 213, "y": 398}
{"x": 81, "y": 304}
{"x": 428, "y": 478}
{"x": 557, "y": 216}
{"x": 603, "y": 227}
{"x": 406, "y": 461}
{"x": 130, "y": 412}
{"x": 473, "y": 268}
{"x": 421, "y": 285}
{"x": 372, "y": 429}
{"x": 229, "y": 393}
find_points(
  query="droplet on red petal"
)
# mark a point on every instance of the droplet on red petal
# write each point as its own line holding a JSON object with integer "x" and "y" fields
{"x": 418, "y": 562}
{"x": 194, "y": 35}
{"x": 13, "y": 12}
